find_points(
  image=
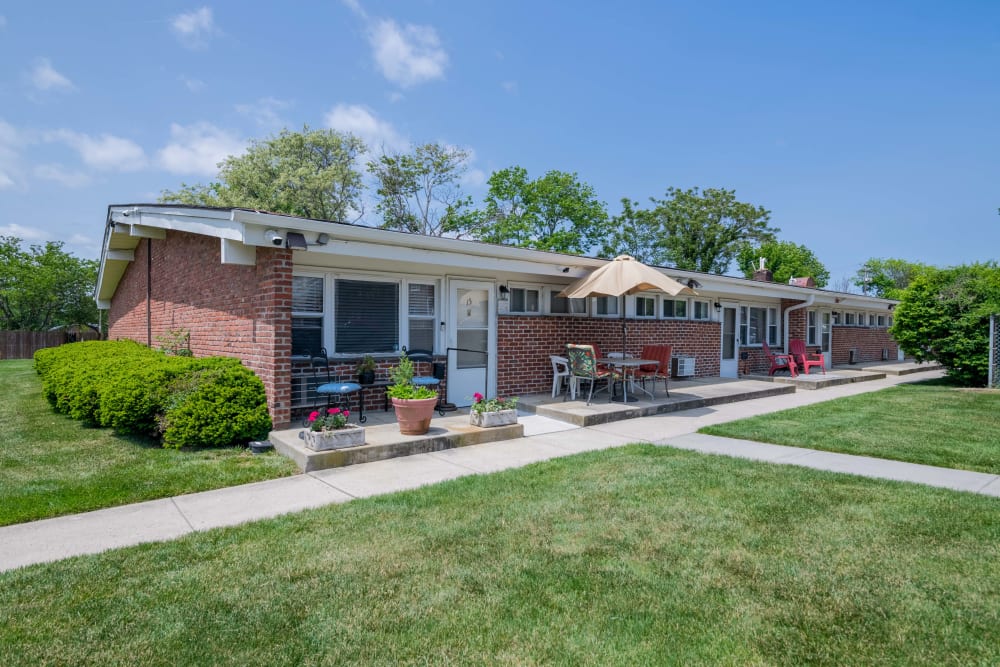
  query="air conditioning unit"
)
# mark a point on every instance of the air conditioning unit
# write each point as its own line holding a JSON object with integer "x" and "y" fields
{"x": 682, "y": 366}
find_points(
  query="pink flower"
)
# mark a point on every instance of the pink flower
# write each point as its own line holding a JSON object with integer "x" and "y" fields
{"x": 334, "y": 411}
{"x": 313, "y": 416}
{"x": 347, "y": 413}
{"x": 478, "y": 397}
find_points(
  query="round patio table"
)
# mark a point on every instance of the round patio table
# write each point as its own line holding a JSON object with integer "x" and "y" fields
{"x": 624, "y": 365}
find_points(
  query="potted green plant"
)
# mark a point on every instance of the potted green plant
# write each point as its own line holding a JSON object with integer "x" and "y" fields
{"x": 366, "y": 370}
{"x": 331, "y": 430}
{"x": 492, "y": 412}
{"x": 414, "y": 405}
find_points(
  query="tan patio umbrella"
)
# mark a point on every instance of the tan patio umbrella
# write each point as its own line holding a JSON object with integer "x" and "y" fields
{"x": 624, "y": 275}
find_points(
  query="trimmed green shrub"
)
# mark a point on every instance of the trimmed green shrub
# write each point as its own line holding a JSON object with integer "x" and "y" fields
{"x": 211, "y": 401}
{"x": 944, "y": 317}
{"x": 226, "y": 404}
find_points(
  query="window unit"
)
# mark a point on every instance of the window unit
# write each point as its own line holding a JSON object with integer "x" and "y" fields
{"x": 307, "y": 315}
{"x": 701, "y": 310}
{"x": 836, "y": 317}
{"x": 606, "y": 306}
{"x": 758, "y": 324}
{"x": 880, "y": 321}
{"x": 525, "y": 301}
{"x": 811, "y": 331}
{"x": 422, "y": 312}
{"x": 645, "y": 306}
{"x": 850, "y": 319}
{"x": 365, "y": 316}
{"x": 871, "y": 319}
{"x": 675, "y": 309}
{"x": 560, "y": 305}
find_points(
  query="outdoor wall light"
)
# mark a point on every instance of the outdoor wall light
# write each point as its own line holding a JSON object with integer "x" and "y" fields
{"x": 717, "y": 306}
{"x": 322, "y": 239}
{"x": 504, "y": 292}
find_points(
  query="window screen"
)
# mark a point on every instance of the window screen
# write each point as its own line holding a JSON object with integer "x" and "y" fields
{"x": 523, "y": 300}
{"x": 366, "y": 316}
{"x": 422, "y": 317}
{"x": 307, "y": 315}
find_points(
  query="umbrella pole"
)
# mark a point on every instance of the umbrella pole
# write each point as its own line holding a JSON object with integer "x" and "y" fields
{"x": 623, "y": 326}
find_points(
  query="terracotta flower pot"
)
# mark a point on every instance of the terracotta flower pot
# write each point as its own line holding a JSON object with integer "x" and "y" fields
{"x": 414, "y": 414}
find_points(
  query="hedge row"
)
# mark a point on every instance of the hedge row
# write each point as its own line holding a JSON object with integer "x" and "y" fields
{"x": 184, "y": 402}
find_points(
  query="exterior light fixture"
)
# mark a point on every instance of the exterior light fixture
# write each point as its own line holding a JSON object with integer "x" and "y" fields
{"x": 296, "y": 241}
{"x": 504, "y": 292}
{"x": 717, "y": 306}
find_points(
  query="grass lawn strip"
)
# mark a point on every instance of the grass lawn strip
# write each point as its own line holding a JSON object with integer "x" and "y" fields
{"x": 51, "y": 465}
{"x": 638, "y": 555}
{"x": 927, "y": 422}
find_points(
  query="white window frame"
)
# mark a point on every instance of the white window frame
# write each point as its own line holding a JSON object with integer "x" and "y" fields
{"x": 405, "y": 309}
{"x": 554, "y": 292}
{"x": 850, "y": 318}
{"x": 647, "y": 299}
{"x": 606, "y": 301}
{"x": 880, "y": 321}
{"x": 525, "y": 288}
{"x": 707, "y": 308}
{"x": 812, "y": 327}
{"x": 322, "y": 314}
{"x": 872, "y": 320}
{"x": 663, "y": 304}
{"x": 772, "y": 328}
{"x": 835, "y": 318}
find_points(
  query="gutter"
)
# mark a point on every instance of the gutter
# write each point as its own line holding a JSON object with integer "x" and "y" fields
{"x": 805, "y": 304}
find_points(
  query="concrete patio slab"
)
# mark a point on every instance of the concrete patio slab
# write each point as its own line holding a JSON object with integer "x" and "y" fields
{"x": 539, "y": 425}
{"x": 262, "y": 500}
{"x": 378, "y": 477}
{"x": 90, "y": 533}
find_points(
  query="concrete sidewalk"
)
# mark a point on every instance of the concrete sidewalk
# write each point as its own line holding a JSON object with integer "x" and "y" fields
{"x": 93, "y": 532}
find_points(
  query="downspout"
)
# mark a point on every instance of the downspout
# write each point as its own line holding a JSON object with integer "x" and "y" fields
{"x": 805, "y": 304}
{"x": 149, "y": 292}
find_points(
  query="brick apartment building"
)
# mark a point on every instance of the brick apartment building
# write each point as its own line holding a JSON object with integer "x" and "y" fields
{"x": 273, "y": 290}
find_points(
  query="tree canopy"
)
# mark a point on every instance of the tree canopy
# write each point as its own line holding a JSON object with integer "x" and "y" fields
{"x": 636, "y": 232}
{"x": 43, "y": 287}
{"x": 704, "y": 230}
{"x": 311, "y": 174}
{"x": 944, "y": 317}
{"x": 888, "y": 278}
{"x": 421, "y": 191}
{"x": 785, "y": 260}
{"x": 556, "y": 212}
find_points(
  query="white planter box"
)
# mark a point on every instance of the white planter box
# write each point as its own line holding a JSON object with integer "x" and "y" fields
{"x": 488, "y": 419}
{"x": 321, "y": 441}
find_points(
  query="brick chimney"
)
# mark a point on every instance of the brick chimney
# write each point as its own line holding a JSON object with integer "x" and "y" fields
{"x": 763, "y": 275}
{"x": 802, "y": 282}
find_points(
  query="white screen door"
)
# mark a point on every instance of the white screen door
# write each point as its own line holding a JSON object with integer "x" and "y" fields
{"x": 729, "y": 366}
{"x": 472, "y": 330}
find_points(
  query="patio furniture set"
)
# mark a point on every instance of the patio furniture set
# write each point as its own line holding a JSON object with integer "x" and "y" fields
{"x": 586, "y": 363}
{"x": 798, "y": 358}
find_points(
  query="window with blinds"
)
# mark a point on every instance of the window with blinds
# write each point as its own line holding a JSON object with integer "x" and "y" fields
{"x": 366, "y": 316}
{"x": 307, "y": 315}
{"x": 422, "y": 315}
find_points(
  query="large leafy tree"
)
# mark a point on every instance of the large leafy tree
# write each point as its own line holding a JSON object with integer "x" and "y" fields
{"x": 944, "y": 317}
{"x": 888, "y": 278}
{"x": 310, "y": 173}
{"x": 636, "y": 232}
{"x": 43, "y": 286}
{"x": 785, "y": 260}
{"x": 556, "y": 212}
{"x": 704, "y": 230}
{"x": 421, "y": 191}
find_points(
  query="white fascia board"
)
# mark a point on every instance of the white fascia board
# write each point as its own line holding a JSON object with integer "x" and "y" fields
{"x": 194, "y": 221}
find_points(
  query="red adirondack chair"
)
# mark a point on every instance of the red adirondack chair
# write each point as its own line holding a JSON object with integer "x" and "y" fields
{"x": 780, "y": 362}
{"x": 803, "y": 358}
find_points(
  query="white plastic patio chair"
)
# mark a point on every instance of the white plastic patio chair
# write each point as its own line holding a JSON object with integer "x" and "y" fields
{"x": 560, "y": 374}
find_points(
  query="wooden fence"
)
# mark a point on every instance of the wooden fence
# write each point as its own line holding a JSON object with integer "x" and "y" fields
{"x": 24, "y": 344}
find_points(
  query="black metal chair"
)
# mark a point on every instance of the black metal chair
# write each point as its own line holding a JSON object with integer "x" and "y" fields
{"x": 333, "y": 391}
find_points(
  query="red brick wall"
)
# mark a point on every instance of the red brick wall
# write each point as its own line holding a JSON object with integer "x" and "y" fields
{"x": 232, "y": 311}
{"x": 524, "y": 345}
{"x": 869, "y": 341}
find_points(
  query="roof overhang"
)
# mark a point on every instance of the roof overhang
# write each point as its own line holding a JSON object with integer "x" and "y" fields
{"x": 242, "y": 231}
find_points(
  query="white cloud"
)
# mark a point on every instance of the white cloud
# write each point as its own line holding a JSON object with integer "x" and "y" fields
{"x": 61, "y": 175}
{"x": 198, "y": 149}
{"x": 5, "y": 181}
{"x": 509, "y": 87}
{"x": 3, "y": 21}
{"x": 194, "y": 28}
{"x": 407, "y": 55}
{"x": 193, "y": 85}
{"x": 23, "y": 233}
{"x": 10, "y": 143}
{"x": 106, "y": 152}
{"x": 266, "y": 112}
{"x": 355, "y": 7}
{"x": 361, "y": 122}
{"x": 45, "y": 77}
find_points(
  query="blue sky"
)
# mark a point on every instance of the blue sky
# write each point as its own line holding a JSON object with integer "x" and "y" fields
{"x": 867, "y": 128}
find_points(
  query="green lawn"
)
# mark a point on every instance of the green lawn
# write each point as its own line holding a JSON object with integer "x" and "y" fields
{"x": 51, "y": 465}
{"x": 633, "y": 556}
{"x": 927, "y": 422}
